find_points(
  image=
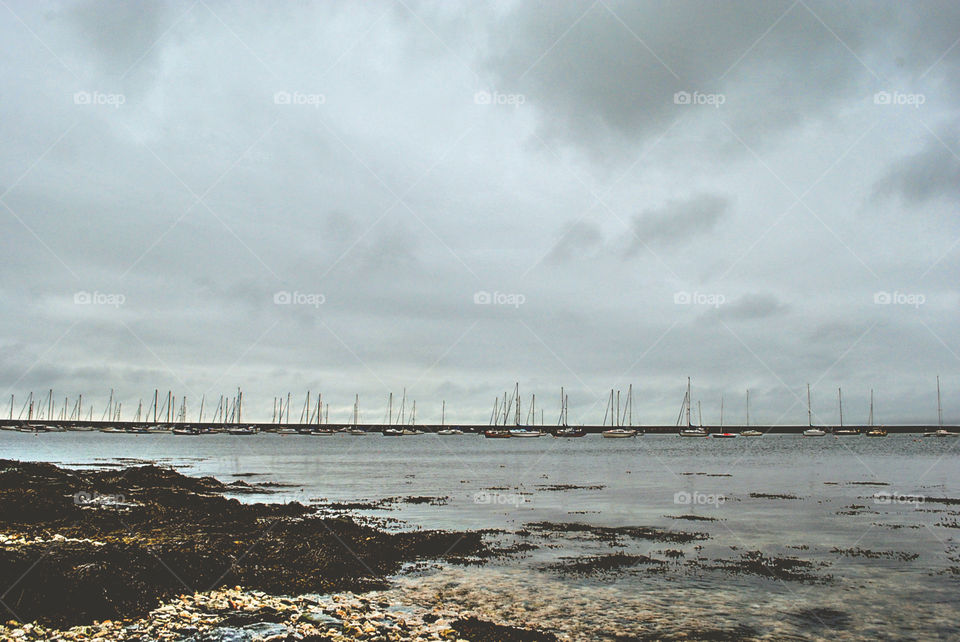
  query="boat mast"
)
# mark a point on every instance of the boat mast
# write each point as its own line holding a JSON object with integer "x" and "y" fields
{"x": 699, "y": 413}
{"x": 870, "y": 420}
{"x": 390, "y": 410}
{"x": 516, "y": 393}
{"x": 809, "y": 413}
{"x": 356, "y": 409}
{"x": 560, "y": 421}
{"x": 939, "y": 408}
{"x": 443, "y": 412}
{"x": 202, "y": 398}
{"x": 748, "y": 406}
{"x": 630, "y": 405}
{"x": 840, "y": 399}
{"x": 721, "y": 411}
{"x": 618, "y": 408}
{"x": 688, "y": 402}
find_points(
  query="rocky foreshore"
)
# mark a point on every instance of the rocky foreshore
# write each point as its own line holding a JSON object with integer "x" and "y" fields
{"x": 236, "y": 615}
{"x": 144, "y": 553}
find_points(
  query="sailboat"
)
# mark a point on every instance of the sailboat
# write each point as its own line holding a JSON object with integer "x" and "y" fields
{"x": 841, "y": 430}
{"x": 566, "y": 431}
{"x": 443, "y": 421}
{"x": 356, "y": 430}
{"x": 498, "y": 433}
{"x": 878, "y": 431}
{"x": 725, "y": 434}
{"x": 521, "y": 431}
{"x": 811, "y": 431}
{"x": 393, "y": 432}
{"x": 690, "y": 431}
{"x": 619, "y": 432}
{"x": 749, "y": 432}
{"x": 940, "y": 432}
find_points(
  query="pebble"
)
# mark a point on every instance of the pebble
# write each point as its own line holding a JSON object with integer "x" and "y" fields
{"x": 198, "y": 618}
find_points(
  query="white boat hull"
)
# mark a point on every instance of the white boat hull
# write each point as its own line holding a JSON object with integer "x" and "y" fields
{"x": 618, "y": 434}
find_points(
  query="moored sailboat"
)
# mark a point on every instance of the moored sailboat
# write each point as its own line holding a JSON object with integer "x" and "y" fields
{"x": 841, "y": 430}
{"x": 690, "y": 431}
{"x": 811, "y": 431}
{"x": 878, "y": 431}
{"x": 940, "y": 432}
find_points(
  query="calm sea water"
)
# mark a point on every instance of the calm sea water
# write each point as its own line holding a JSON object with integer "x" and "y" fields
{"x": 870, "y": 495}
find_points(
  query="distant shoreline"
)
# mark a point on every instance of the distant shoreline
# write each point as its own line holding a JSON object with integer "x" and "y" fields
{"x": 12, "y": 424}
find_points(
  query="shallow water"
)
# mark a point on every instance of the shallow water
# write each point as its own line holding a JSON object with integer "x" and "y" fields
{"x": 846, "y": 493}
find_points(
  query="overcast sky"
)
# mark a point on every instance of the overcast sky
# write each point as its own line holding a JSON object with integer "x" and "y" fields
{"x": 453, "y": 197}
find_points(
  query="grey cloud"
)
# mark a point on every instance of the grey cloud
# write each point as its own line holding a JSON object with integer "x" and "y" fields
{"x": 753, "y": 306}
{"x": 677, "y": 222}
{"x": 576, "y": 240}
{"x": 931, "y": 173}
{"x": 618, "y": 91}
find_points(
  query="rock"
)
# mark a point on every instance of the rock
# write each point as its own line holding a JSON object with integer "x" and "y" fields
{"x": 320, "y": 618}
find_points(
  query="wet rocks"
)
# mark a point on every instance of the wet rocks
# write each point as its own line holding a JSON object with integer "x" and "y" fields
{"x": 238, "y": 615}
{"x": 613, "y": 535}
{"x": 779, "y": 568}
{"x": 590, "y": 565}
{"x": 79, "y": 563}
